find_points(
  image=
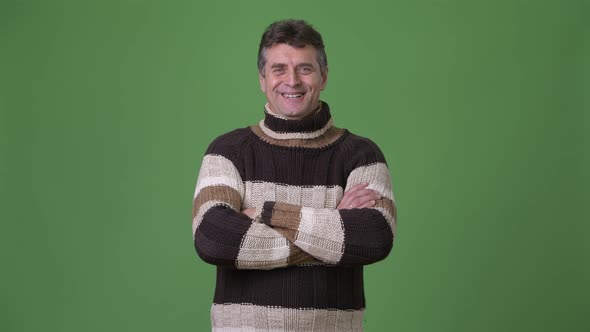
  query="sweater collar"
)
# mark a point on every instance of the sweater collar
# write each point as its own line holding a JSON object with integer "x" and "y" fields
{"x": 312, "y": 126}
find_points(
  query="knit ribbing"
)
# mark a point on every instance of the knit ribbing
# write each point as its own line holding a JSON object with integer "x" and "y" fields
{"x": 301, "y": 259}
{"x": 309, "y": 125}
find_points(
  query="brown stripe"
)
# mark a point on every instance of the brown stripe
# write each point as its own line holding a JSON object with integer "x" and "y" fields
{"x": 286, "y": 215}
{"x": 388, "y": 205}
{"x": 221, "y": 193}
{"x": 297, "y": 256}
{"x": 289, "y": 234}
{"x": 329, "y": 137}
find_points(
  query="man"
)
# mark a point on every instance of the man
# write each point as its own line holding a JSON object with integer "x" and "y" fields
{"x": 290, "y": 209}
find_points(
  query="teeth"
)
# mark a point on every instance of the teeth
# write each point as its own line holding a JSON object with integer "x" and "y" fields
{"x": 286, "y": 95}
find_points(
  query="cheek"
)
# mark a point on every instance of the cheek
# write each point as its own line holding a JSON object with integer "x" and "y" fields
{"x": 316, "y": 84}
{"x": 270, "y": 84}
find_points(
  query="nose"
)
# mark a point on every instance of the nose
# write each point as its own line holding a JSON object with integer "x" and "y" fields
{"x": 293, "y": 78}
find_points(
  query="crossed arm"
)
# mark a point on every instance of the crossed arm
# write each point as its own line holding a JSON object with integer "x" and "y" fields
{"x": 359, "y": 231}
{"x": 357, "y": 197}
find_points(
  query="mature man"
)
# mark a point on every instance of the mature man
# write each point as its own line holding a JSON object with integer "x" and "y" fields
{"x": 290, "y": 209}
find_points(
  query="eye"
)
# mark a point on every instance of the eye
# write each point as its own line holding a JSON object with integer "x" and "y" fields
{"x": 305, "y": 70}
{"x": 277, "y": 70}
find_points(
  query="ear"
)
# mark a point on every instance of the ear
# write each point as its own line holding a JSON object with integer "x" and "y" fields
{"x": 325, "y": 80}
{"x": 262, "y": 82}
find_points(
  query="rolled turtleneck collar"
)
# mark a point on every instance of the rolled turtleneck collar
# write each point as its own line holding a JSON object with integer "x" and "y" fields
{"x": 309, "y": 127}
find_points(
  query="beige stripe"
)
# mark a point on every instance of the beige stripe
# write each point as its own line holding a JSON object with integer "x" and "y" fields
{"x": 329, "y": 245}
{"x": 258, "y": 192}
{"x": 377, "y": 175}
{"x": 218, "y": 170}
{"x": 379, "y": 179}
{"x": 263, "y": 248}
{"x": 249, "y": 317}
{"x": 330, "y": 136}
{"x": 219, "y": 181}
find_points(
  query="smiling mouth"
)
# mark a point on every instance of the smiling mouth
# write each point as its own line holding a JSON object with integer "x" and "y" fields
{"x": 292, "y": 95}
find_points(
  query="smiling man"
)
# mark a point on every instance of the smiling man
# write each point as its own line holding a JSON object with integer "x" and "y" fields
{"x": 293, "y": 80}
{"x": 292, "y": 208}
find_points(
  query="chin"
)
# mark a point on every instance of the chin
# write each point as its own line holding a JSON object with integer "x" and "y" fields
{"x": 297, "y": 114}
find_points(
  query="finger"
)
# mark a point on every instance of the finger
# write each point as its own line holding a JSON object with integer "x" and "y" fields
{"x": 352, "y": 199}
{"x": 357, "y": 187}
{"x": 361, "y": 196}
{"x": 349, "y": 194}
{"x": 368, "y": 192}
{"x": 363, "y": 199}
{"x": 346, "y": 202}
{"x": 250, "y": 212}
{"x": 368, "y": 204}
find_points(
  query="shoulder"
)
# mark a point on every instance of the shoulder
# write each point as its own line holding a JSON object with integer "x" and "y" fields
{"x": 228, "y": 143}
{"x": 229, "y": 146}
{"x": 361, "y": 151}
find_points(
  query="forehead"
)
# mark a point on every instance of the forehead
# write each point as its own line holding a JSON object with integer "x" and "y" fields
{"x": 289, "y": 55}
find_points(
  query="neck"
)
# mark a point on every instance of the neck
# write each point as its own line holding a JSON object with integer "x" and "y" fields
{"x": 269, "y": 110}
{"x": 314, "y": 131}
{"x": 308, "y": 127}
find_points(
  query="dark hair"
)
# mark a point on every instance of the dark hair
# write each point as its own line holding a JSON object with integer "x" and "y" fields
{"x": 296, "y": 33}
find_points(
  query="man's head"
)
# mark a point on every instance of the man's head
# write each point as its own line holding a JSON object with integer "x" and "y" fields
{"x": 292, "y": 68}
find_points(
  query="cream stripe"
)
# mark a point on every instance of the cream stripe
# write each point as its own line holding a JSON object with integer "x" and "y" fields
{"x": 217, "y": 166}
{"x": 378, "y": 177}
{"x": 219, "y": 181}
{"x": 257, "y": 192}
{"x": 249, "y": 317}
{"x": 263, "y": 244}
{"x": 327, "y": 222}
{"x": 296, "y": 135}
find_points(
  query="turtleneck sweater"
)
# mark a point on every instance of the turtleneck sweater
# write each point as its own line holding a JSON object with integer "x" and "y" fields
{"x": 298, "y": 265}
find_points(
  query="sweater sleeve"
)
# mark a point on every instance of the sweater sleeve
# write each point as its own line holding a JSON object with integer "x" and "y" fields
{"x": 223, "y": 235}
{"x": 342, "y": 237}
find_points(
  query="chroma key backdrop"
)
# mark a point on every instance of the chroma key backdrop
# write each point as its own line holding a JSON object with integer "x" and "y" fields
{"x": 480, "y": 108}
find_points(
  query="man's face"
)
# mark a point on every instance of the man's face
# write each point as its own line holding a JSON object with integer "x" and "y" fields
{"x": 292, "y": 80}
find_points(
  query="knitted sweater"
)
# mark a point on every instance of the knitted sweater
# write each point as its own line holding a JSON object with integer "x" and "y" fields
{"x": 298, "y": 266}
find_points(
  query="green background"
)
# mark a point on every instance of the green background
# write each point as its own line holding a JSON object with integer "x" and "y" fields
{"x": 480, "y": 107}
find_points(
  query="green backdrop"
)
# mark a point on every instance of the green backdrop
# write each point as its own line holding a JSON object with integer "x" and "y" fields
{"x": 480, "y": 107}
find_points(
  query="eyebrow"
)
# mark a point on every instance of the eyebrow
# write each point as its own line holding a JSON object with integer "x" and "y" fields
{"x": 282, "y": 65}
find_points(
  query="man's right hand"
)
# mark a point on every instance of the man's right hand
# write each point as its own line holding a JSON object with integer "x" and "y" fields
{"x": 357, "y": 197}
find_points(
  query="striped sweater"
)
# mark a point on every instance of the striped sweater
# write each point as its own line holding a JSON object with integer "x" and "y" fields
{"x": 298, "y": 265}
